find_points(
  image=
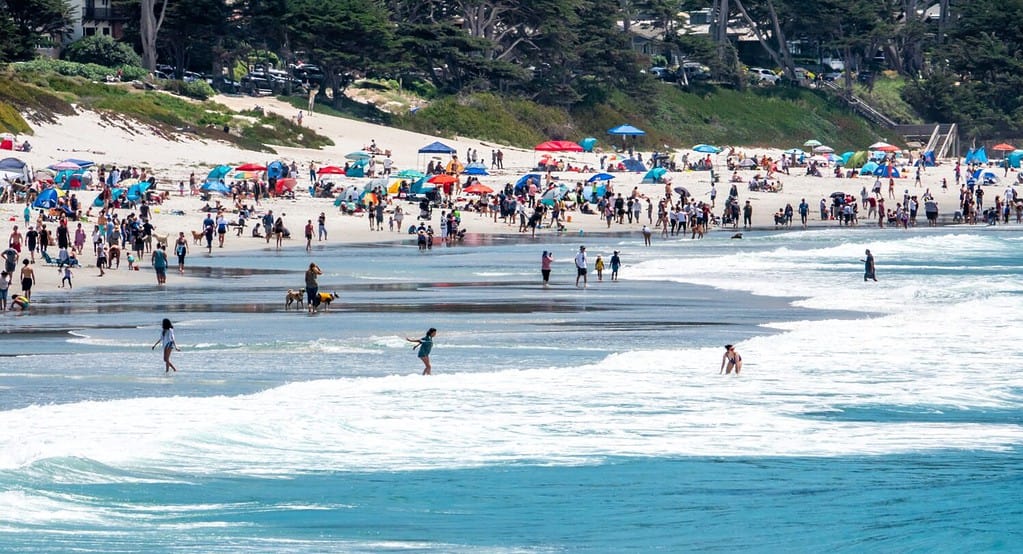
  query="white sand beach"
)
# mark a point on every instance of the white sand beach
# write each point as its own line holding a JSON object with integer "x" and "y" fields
{"x": 88, "y": 135}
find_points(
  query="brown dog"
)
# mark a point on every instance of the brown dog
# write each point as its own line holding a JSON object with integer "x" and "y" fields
{"x": 197, "y": 237}
{"x": 293, "y": 297}
{"x": 325, "y": 298}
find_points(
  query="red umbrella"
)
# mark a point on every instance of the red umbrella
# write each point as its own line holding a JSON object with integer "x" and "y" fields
{"x": 478, "y": 188}
{"x": 251, "y": 167}
{"x": 1003, "y": 147}
{"x": 442, "y": 179}
{"x": 331, "y": 170}
{"x": 283, "y": 185}
{"x": 889, "y": 148}
{"x": 558, "y": 146}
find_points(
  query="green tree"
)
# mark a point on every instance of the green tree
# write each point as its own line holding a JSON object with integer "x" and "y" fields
{"x": 344, "y": 37}
{"x": 102, "y": 50}
{"x": 193, "y": 28}
{"x": 26, "y": 23}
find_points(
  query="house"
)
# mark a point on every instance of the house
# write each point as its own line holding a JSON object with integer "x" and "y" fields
{"x": 96, "y": 17}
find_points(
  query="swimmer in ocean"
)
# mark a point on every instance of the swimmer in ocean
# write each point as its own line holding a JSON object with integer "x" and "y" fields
{"x": 732, "y": 360}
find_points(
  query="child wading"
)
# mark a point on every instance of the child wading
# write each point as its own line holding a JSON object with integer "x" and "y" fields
{"x": 167, "y": 338}
{"x": 425, "y": 345}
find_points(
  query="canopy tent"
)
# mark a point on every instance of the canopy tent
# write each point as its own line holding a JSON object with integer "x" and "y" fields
{"x": 558, "y": 146}
{"x": 706, "y": 149}
{"x": 437, "y": 148}
{"x": 626, "y": 130}
{"x": 654, "y": 175}
{"x": 251, "y": 167}
{"x": 588, "y": 143}
{"x": 13, "y": 169}
{"x": 600, "y": 177}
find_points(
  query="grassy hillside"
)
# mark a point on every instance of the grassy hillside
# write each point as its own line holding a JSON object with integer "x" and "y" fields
{"x": 41, "y": 96}
{"x": 776, "y": 117}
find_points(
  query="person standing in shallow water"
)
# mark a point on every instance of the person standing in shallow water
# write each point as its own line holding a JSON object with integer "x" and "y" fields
{"x": 731, "y": 360}
{"x": 545, "y": 266}
{"x": 167, "y": 338}
{"x": 869, "y": 271}
{"x": 425, "y": 345}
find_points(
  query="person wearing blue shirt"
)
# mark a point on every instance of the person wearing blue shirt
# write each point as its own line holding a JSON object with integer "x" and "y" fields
{"x": 425, "y": 345}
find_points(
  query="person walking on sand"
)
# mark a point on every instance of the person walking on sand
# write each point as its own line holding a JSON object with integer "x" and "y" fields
{"x": 869, "y": 271}
{"x": 731, "y": 360}
{"x": 167, "y": 338}
{"x": 425, "y": 345}
{"x": 580, "y": 266}
{"x": 545, "y": 266}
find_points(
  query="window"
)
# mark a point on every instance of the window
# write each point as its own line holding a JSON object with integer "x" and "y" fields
{"x": 106, "y": 31}
{"x": 90, "y": 31}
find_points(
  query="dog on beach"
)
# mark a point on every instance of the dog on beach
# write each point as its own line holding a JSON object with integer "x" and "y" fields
{"x": 293, "y": 297}
{"x": 197, "y": 237}
{"x": 325, "y": 298}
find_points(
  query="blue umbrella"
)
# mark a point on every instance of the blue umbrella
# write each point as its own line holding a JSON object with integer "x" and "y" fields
{"x": 706, "y": 149}
{"x": 600, "y": 177}
{"x": 357, "y": 155}
{"x": 795, "y": 152}
{"x": 215, "y": 186}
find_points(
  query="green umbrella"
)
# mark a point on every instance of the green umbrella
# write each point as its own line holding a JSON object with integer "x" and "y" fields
{"x": 357, "y": 155}
{"x": 409, "y": 174}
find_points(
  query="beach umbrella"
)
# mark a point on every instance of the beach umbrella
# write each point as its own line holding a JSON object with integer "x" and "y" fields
{"x": 888, "y": 148}
{"x": 64, "y": 165}
{"x": 706, "y": 149}
{"x": 478, "y": 188}
{"x": 588, "y": 143}
{"x": 410, "y": 174}
{"x": 330, "y": 170}
{"x": 683, "y": 191}
{"x": 600, "y": 177}
{"x": 1003, "y": 147}
{"x": 812, "y": 142}
{"x": 357, "y": 155}
{"x": 878, "y": 145}
{"x": 442, "y": 179}
{"x": 795, "y": 152}
{"x": 823, "y": 149}
{"x": 251, "y": 167}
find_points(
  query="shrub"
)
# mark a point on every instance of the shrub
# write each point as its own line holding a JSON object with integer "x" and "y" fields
{"x": 102, "y": 50}
{"x": 11, "y": 121}
{"x": 91, "y": 71}
{"x": 200, "y": 90}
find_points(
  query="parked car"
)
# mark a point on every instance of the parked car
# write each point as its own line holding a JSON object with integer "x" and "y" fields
{"x": 696, "y": 71}
{"x": 307, "y": 73}
{"x": 662, "y": 73}
{"x": 763, "y": 76}
{"x": 225, "y": 85}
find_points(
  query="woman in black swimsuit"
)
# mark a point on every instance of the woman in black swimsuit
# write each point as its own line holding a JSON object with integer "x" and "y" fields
{"x": 732, "y": 360}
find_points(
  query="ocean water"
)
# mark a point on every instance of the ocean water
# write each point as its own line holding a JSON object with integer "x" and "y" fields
{"x": 880, "y": 417}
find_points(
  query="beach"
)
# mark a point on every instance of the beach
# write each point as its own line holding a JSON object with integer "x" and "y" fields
{"x": 174, "y": 161}
{"x": 868, "y": 416}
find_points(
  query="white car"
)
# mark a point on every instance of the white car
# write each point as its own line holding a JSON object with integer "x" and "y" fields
{"x": 763, "y": 76}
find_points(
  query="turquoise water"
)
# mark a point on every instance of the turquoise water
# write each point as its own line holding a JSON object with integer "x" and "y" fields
{"x": 869, "y": 417}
